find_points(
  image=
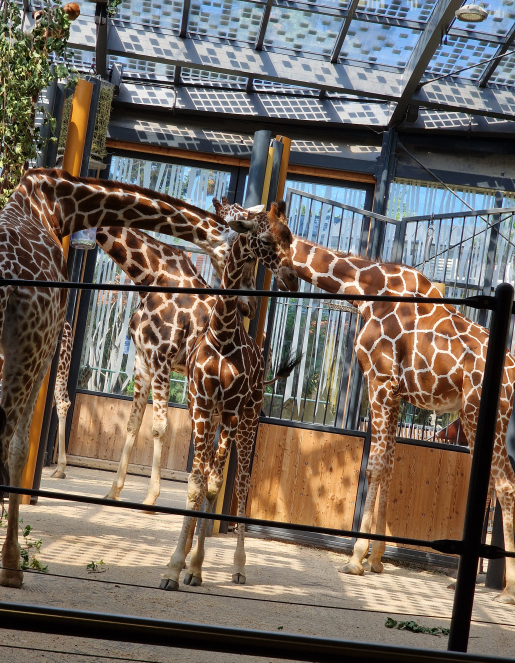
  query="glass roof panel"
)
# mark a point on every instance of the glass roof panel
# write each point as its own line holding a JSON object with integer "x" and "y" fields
{"x": 333, "y": 4}
{"x": 228, "y": 20}
{"x": 381, "y": 44}
{"x": 302, "y": 30}
{"x": 157, "y": 13}
{"x": 143, "y": 68}
{"x": 461, "y": 52}
{"x": 198, "y": 76}
{"x": 501, "y": 15}
{"x": 504, "y": 73}
{"x": 412, "y": 10}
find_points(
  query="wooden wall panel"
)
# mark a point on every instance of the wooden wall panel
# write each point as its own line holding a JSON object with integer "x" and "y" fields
{"x": 303, "y": 476}
{"x": 428, "y": 493}
{"x": 99, "y": 430}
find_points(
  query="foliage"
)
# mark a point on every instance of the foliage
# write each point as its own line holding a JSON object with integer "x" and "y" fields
{"x": 112, "y": 5}
{"x": 96, "y": 567}
{"x": 29, "y": 62}
{"x": 28, "y": 548}
{"x": 415, "y": 628}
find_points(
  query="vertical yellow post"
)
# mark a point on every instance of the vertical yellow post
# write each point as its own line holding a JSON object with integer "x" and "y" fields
{"x": 260, "y": 332}
{"x": 73, "y": 152}
{"x": 264, "y": 198}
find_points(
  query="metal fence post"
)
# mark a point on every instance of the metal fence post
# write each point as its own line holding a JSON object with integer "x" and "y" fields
{"x": 480, "y": 471}
{"x": 490, "y": 257}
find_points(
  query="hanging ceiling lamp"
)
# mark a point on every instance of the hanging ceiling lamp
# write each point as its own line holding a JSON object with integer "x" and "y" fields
{"x": 471, "y": 14}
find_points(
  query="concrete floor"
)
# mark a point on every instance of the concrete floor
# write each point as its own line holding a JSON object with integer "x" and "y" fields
{"x": 309, "y": 595}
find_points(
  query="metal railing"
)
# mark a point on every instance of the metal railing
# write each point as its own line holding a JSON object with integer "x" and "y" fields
{"x": 244, "y": 641}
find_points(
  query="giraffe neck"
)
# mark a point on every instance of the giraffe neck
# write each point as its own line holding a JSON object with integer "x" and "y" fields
{"x": 141, "y": 257}
{"x": 225, "y": 320}
{"x": 349, "y": 275}
{"x": 69, "y": 204}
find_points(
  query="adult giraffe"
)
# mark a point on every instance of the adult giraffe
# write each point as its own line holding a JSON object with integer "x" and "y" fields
{"x": 429, "y": 355}
{"x": 225, "y": 385}
{"x": 46, "y": 206}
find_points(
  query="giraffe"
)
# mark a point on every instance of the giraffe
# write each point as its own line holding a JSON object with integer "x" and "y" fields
{"x": 226, "y": 386}
{"x": 163, "y": 329}
{"x": 62, "y": 400}
{"x": 429, "y": 355}
{"x": 47, "y": 205}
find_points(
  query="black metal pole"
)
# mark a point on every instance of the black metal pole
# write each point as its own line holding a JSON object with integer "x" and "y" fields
{"x": 205, "y": 637}
{"x": 480, "y": 471}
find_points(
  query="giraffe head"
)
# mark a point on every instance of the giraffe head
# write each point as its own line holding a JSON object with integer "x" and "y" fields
{"x": 269, "y": 239}
{"x": 247, "y": 306}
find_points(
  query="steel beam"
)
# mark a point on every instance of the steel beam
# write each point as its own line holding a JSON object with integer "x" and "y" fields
{"x": 263, "y": 25}
{"x": 344, "y": 29}
{"x": 492, "y": 66}
{"x": 427, "y": 44}
{"x": 184, "y": 19}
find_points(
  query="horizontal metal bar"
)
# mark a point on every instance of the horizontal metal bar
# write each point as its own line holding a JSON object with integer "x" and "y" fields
{"x": 477, "y": 301}
{"x": 350, "y": 208}
{"x": 458, "y": 215}
{"x": 122, "y": 504}
{"x": 206, "y": 637}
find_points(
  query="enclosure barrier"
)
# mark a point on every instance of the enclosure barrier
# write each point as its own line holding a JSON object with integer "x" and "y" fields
{"x": 243, "y": 641}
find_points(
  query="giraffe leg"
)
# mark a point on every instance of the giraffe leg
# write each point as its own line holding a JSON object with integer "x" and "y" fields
{"x": 160, "y": 390}
{"x": 384, "y": 422}
{"x": 204, "y": 428}
{"x": 244, "y": 444}
{"x": 214, "y": 483}
{"x": 62, "y": 412}
{"x": 139, "y": 403}
{"x": 11, "y": 575}
{"x": 506, "y": 499}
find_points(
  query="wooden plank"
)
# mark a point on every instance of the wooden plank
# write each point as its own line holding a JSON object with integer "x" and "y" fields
{"x": 227, "y": 160}
{"x": 112, "y": 466}
{"x": 428, "y": 493}
{"x": 304, "y": 476}
{"x": 99, "y": 426}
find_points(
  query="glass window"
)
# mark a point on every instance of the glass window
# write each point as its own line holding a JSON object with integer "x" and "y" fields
{"x": 381, "y": 44}
{"x": 458, "y": 52}
{"x": 108, "y": 353}
{"x": 317, "y": 390}
{"x": 302, "y": 30}
{"x": 414, "y": 10}
{"x": 236, "y": 19}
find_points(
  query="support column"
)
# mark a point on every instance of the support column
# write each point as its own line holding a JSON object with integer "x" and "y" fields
{"x": 374, "y": 231}
{"x": 71, "y": 163}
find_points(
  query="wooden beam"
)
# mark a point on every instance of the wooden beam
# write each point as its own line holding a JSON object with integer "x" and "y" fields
{"x": 293, "y": 169}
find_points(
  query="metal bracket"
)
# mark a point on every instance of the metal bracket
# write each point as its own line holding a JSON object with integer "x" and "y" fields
{"x": 447, "y": 546}
{"x": 454, "y": 547}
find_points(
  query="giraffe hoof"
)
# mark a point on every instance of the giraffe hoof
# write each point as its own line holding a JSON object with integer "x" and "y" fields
{"x": 506, "y": 598}
{"x": 366, "y": 565}
{"x": 192, "y": 581}
{"x": 452, "y": 585}
{"x": 57, "y": 474}
{"x": 375, "y": 567}
{"x": 111, "y": 497}
{"x": 169, "y": 585}
{"x": 239, "y": 579}
{"x": 11, "y": 578}
{"x": 352, "y": 569}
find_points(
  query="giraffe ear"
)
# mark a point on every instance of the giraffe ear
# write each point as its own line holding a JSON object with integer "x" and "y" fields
{"x": 256, "y": 209}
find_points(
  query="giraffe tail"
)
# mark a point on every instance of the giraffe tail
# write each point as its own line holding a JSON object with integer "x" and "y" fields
{"x": 286, "y": 368}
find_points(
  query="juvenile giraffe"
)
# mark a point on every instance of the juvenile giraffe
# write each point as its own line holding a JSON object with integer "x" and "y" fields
{"x": 163, "y": 329}
{"x": 225, "y": 385}
{"x": 46, "y": 206}
{"x": 429, "y": 355}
